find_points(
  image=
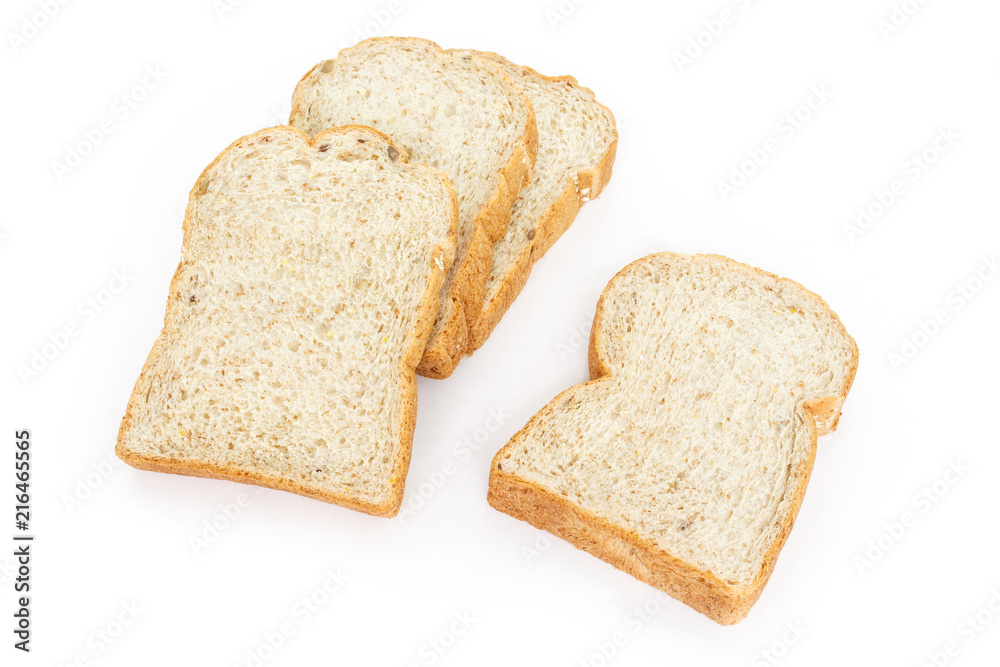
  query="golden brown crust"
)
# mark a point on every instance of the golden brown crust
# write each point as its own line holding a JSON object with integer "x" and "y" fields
{"x": 579, "y": 186}
{"x": 416, "y": 341}
{"x": 449, "y": 340}
{"x": 703, "y": 591}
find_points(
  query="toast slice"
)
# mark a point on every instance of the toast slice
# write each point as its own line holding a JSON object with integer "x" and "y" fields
{"x": 308, "y": 283}
{"x": 577, "y": 141}
{"x": 455, "y": 112}
{"x": 684, "y": 460}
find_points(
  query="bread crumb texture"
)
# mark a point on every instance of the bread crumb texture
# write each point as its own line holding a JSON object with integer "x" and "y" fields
{"x": 696, "y": 440}
{"x": 453, "y": 111}
{"x": 305, "y": 291}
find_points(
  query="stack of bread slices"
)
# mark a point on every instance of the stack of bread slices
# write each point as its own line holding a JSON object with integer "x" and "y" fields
{"x": 382, "y": 233}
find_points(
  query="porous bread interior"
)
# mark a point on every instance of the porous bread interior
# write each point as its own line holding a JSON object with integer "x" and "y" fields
{"x": 695, "y": 439}
{"x": 574, "y": 133}
{"x": 449, "y": 111}
{"x": 284, "y": 347}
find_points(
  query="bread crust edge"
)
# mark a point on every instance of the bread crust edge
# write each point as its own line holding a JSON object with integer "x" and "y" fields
{"x": 450, "y": 342}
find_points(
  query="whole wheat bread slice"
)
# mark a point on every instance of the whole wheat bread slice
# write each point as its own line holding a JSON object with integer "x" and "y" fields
{"x": 450, "y": 110}
{"x": 308, "y": 283}
{"x": 684, "y": 460}
{"x": 577, "y": 141}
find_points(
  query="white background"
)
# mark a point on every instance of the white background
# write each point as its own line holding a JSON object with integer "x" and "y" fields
{"x": 683, "y": 129}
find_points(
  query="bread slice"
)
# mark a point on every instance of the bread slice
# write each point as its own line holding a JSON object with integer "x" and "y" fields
{"x": 684, "y": 460}
{"x": 308, "y": 283}
{"x": 577, "y": 141}
{"x": 452, "y": 111}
